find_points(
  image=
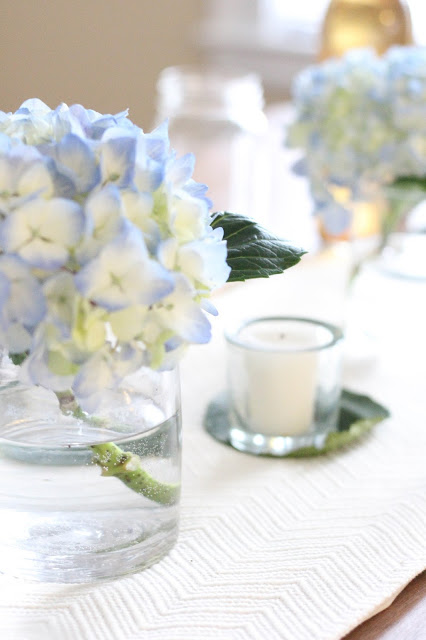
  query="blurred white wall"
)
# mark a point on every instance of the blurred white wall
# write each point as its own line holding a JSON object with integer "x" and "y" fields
{"x": 103, "y": 54}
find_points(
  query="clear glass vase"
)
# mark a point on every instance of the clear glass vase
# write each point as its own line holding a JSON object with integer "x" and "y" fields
{"x": 403, "y": 247}
{"x": 88, "y": 497}
{"x": 219, "y": 117}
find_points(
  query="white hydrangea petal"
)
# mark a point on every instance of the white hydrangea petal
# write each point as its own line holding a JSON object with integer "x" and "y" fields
{"x": 105, "y": 210}
{"x": 123, "y": 275}
{"x": 180, "y": 313}
{"x": 127, "y": 324}
{"x": 7, "y": 178}
{"x": 205, "y": 262}
{"x": 36, "y": 179}
{"x": 64, "y": 122}
{"x": 190, "y": 218}
{"x": 167, "y": 253}
{"x": 36, "y": 106}
{"x": 137, "y": 207}
{"x": 44, "y": 255}
{"x": 60, "y": 293}
{"x": 42, "y": 232}
{"x": 15, "y": 337}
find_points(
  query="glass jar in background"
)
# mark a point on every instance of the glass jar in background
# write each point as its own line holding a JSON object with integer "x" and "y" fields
{"x": 219, "y": 117}
{"x": 350, "y": 24}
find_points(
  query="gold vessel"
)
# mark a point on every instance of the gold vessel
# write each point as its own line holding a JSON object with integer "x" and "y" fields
{"x": 350, "y": 24}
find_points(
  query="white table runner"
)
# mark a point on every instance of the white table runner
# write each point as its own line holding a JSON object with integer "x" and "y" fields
{"x": 273, "y": 548}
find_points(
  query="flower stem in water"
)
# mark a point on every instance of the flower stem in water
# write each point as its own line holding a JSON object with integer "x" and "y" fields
{"x": 127, "y": 467}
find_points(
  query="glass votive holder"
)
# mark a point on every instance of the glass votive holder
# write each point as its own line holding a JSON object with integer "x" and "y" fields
{"x": 284, "y": 378}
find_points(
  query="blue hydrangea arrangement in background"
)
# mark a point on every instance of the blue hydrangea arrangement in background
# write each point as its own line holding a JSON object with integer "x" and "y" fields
{"x": 361, "y": 122}
{"x": 108, "y": 249}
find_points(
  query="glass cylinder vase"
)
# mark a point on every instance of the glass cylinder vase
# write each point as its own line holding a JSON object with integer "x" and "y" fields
{"x": 219, "y": 117}
{"x": 88, "y": 497}
{"x": 403, "y": 246}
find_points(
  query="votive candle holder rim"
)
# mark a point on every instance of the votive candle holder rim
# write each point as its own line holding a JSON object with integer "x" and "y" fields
{"x": 232, "y": 333}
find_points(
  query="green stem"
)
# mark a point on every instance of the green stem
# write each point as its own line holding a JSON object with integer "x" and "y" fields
{"x": 123, "y": 465}
{"x": 127, "y": 467}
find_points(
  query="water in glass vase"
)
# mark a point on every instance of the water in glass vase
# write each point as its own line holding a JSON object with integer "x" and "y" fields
{"x": 87, "y": 498}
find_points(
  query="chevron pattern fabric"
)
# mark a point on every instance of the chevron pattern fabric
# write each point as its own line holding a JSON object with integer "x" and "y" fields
{"x": 271, "y": 548}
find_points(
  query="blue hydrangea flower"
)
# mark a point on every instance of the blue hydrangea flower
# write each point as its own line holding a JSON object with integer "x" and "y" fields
{"x": 360, "y": 122}
{"x": 107, "y": 256}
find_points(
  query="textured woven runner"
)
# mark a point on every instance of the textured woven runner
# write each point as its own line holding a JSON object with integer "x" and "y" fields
{"x": 293, "y": 549}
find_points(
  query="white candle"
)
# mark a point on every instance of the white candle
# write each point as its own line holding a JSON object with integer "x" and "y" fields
{"x": 279, "y": 374}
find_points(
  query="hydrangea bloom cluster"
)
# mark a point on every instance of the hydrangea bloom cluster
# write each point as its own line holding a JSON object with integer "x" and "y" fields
{"x": 107, "y": 256}
{"x": 361, "y": 123}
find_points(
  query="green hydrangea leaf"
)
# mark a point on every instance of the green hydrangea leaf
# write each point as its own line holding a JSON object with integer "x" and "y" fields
{"x": 252, "y": 251}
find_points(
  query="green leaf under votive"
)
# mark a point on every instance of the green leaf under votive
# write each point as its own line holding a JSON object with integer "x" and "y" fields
{"x": 252, "y": 251}
{"x": 358, "y": 415}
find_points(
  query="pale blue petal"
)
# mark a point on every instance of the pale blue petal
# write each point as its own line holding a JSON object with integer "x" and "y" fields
{"x": 5, "y": 143}
{"x": 26, "y": 302}
{"x": 64, "y": 187}
{"x": 37, "y": 371}
{"x": 157, "y": 143}
{"x": 335, "y": 218}
{"x": 4, "y": 289}
{"x": 101, "y": 123}
{"x": 181, "y": 314}
{"x": 149, "y": 175}
{"x": 198, "y": 190}
{"x": 103, "y": 371}
{"x": 193, "y": 325}
{"x": 94, "y": 375}
{"x": 181, "y": 170}
{"x": 118, "y": 161}
{"x": 208, "y": 307}
{"x": 65, "y": 122}
{"x": 78, "y": 159}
